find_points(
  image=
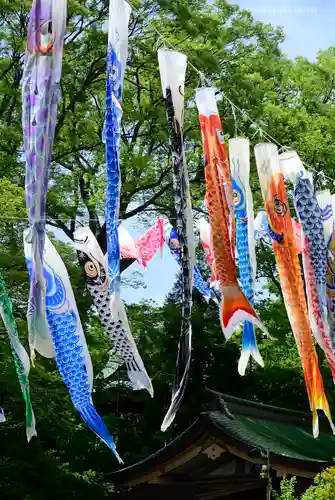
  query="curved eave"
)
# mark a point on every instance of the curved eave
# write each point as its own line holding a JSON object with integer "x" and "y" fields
{"x": 281, "y": 463}
{"x": 194, "y": 441}
{"x": 176, "y": 449}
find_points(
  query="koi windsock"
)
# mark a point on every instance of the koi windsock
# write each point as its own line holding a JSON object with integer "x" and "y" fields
{"x": 117, "y": 331}
{"x": 119, "y": 13}
{"x": 286, "y": 255}
{"x": 262, "y": 230}
{"x": 171, "y": 239}
{"x": 172, "y": 66}
{"x": 72, "y": 356}
{"x": 310, "y": 215}
{"x": 239, "y": 154}
{"x": 20, "y": 356}
{"x": 117, "y": 52}
{"x": 235, "y": 307}
{"x": 40, "y": 97}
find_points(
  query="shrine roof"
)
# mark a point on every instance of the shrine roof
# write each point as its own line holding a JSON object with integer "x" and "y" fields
{"x": 281, "y": 431}
{"x": 246, "y": 429}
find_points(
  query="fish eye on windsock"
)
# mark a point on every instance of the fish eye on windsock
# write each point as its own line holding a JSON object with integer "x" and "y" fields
{"x": 280, "y": 207}
{"x": 236, "y": 197}
{"x": 90, "y": 269}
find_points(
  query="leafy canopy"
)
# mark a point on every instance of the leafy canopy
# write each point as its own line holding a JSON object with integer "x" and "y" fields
{"x": 293, "y": 100}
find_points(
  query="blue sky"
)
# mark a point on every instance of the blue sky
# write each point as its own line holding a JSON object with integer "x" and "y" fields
{"x": 308, "y": 25}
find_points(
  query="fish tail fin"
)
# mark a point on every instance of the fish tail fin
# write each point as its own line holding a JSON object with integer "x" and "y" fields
{"x": 30, "y": 417}
{"x": 30, "y": 424}
{"x": 326, "y": 410}
{"x": 140, "y": 378}
{"x": 316, "y": 393}
{"x": 315, "y": 424}
{"x": 37, "y": 327}
{"x": 168, "y": 419}
{"x": 171, "y": 413}
{"x": 91, "y": 417}
{"x": 178, "y": 391}
{"x": 234, "y": 309}
{"x": 249, "y": 348}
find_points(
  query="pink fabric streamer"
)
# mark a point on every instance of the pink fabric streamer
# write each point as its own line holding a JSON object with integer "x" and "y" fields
{"x": 148, "y": 244}
{"x": 127, "y": 244}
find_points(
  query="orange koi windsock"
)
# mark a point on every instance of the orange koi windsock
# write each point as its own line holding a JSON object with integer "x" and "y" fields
{"x": 286, "y": 255}
{"x": 320, "y": 226}
{"x": 234, "y": 307}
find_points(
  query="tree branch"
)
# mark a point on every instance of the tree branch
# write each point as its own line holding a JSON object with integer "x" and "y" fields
{"x": 61, "y": 225}
{"x": 150, "y": 186}
{"x": 147, "y": 203}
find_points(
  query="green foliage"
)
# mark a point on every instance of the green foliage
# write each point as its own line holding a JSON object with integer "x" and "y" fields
{"x": 287, "y": 489}
{"x": 322, "y": 489}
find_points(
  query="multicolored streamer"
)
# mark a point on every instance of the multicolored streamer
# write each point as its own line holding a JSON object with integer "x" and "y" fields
{"x": 310, "y": 218}
{"x": 234, "y": 307}
{"x": 245, "y": 241}
{"x": 171, "y": 239}
{"x": 310, "y": 214}
{"x": 40, "y": 96}
{"x": 115, "y": 325}
{"x": 263, "y": 230}
{"x": 20, "y": 356}
{"x": 72, "y": 357}
{"x": 286, "y": 255}
{"x": 172, "y": 66}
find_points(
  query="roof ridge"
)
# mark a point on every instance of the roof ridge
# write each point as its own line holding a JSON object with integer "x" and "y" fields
{"x": 240, "y": 402}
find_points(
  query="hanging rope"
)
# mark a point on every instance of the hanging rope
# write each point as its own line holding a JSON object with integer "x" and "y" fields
{"x": 244, "y": 114}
